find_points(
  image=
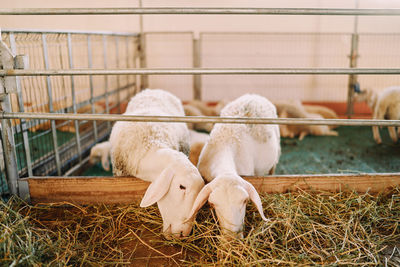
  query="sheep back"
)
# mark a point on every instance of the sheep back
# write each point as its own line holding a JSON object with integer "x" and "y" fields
{"x": 250, "y": 106}
{"x": 131, "y": 140}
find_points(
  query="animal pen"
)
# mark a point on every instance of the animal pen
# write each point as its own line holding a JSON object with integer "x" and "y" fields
{"x": 61, "y": 91}
{"x": 57, "y": 106}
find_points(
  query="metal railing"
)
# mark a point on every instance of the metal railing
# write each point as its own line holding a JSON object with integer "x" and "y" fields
{"x": 47, "y": 72}
{"x": 41, "y": 147}
{"x": 197, "y": 119}
{"x": 201, "y": 11}
{"x": 203, "y": 71}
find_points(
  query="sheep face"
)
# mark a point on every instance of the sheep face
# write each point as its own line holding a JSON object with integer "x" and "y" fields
{"x": 175, "y": 194}
{"x": 229, "y": 196}
{"x": 229, "y": 202}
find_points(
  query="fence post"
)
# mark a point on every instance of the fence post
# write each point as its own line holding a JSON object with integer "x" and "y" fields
{"x": 353, "y": 63}
{"x": 8, "y": 86}
{"x": 196, "y": 64}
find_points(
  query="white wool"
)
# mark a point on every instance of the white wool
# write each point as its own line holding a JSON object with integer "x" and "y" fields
{"x": 385, "y": 105}
{"x": 243, "y": 140}
{"x": 152, "y": 151}
{"x": 233, "y": 150}
{"x": 131, "y": 140}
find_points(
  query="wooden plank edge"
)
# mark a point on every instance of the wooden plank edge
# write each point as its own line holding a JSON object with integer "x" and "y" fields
{"x": 121, "y": 190}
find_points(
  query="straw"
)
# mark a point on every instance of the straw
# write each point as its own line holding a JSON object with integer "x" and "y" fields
{"x": 305, "y": 228}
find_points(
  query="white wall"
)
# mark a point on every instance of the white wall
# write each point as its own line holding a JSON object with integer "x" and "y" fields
{"x": 315, "y": 88}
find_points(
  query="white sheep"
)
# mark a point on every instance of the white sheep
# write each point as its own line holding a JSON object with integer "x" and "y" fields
{"x": 197, "y": 142}
{"x": 294, "y": 109}
{"x": 385, "y": 105}
{"x": 152, "y": 152}
{"x": 101, "y": 152}
{"x": 233, "y": 150}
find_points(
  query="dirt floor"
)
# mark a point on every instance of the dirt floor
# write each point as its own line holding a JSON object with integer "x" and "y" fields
{"x": 353, "y": 151}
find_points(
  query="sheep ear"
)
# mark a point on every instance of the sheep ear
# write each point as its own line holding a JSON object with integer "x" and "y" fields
{"x": 201, "y": 198}
{"x": 255, "y": 198}
{"x": 158, "y": 188}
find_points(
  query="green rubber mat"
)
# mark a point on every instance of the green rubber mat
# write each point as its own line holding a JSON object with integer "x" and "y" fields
{"x": 353, "y": 151}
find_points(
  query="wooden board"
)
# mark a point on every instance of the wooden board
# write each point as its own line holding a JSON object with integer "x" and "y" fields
{"x": 88, "y": 190}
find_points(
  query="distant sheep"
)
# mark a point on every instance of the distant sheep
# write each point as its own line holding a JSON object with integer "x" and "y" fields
{"x": 233, "y": 150}
{"x": 197, "y": 142}
{"x": 294, "y": 109}
{"x": 325, "y": 112}
{"x": 157, "y": 152}
{"x": 200, "y": 108}
{"x": 385, "y": 105}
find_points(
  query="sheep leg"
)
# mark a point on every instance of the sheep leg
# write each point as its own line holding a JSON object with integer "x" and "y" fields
{"x": 332, "y": 133}
{"x": 302, "y": 135}
{"x": 284, "y": 130}
{"x": 272, "y": 171}
{"x": 377, "y": 136}
{"x": 392, "y": 133}
{"x": 398, "y": 131}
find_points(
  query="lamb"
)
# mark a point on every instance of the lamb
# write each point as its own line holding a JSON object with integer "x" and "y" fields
{"x": 233, "y": 150}
{"x": 199, "y": 108}
{"x": 153, "y": 151}
{"x": 325, "y": 112}
{"x": 294, "y": 109}
{"x": 385, "y": 105}
{"x": 101, "y": 152}
{"x": 201, "y": 126}
{"x": 197, "y": 142}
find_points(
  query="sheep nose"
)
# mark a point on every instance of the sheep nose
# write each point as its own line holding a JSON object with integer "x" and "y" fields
{"x": 181, "y": 235}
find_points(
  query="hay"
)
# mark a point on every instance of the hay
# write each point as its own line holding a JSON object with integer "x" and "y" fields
{"x": 306, "y": 228}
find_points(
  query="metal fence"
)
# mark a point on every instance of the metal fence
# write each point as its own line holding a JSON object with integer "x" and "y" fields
{"x": 53, "y": 147}
{"x": 78, "y": 72}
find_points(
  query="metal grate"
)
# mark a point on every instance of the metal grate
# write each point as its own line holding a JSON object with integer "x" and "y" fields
{"x": 45, "y": 147}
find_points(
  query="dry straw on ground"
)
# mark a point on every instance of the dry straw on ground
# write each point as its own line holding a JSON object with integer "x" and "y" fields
{"x": 306, "y": 228}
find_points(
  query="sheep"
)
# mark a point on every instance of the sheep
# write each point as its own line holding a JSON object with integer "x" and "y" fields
{"x": 385, "y": 105}
{"x": 294, "y": 109}
{"x": 157, "y": 152}
{"x": 197, "y": 142}
{"x": 199, "y": 108}
{"x": 101, "y": 152}
{"x": 325, "y": 112}
{"x": 233, "y": 150}
{"x": 194, "y": 111}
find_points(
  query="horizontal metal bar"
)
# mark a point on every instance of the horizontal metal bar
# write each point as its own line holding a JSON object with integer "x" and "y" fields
{"x": 127, "y": 34}
{"x": 206, "y": 71}
{"x": 200, "y": 11}
{"x": 118, "y": 117}
{"x": 76, "y": 167}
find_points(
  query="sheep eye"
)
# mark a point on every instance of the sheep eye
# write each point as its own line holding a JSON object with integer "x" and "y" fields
{"x": 182, "y": 187}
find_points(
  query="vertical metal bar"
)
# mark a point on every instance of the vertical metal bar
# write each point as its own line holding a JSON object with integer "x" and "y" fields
{"x": 24, "y": 129}
{"x": 196, "y": 64}
{"x": 7, "y": 131}
{"x": 106, "y": 80}
{"x": 144, "y": 79}
{"x": 118, "y": 77}
{"x": 90, "y": 65}
{"x": 74, "y": 108}
{"x": 10, "y": 157}
{"x": 353, "y": 63}
{"x": 51, "y": 109}
{"x": 135, "y": 64}
{"x": 128, "y": 58}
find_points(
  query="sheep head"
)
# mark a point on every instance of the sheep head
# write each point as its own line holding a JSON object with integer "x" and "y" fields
{"x": 367, "y": 95}
{"x": 228, "y": 195}
{"x": 175, "y": 192}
